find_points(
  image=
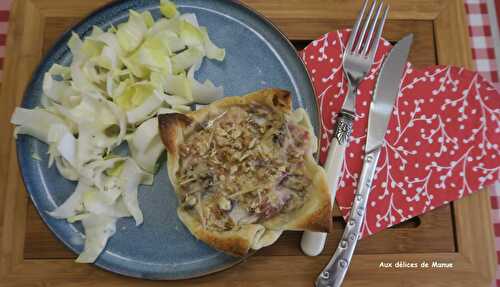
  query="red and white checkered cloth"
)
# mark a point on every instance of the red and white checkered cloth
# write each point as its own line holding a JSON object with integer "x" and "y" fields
{"x": 484, "y": 37}
{"x": 4, "y": 20}
{"x": 483, "y": 32}
{"x": 481, "y": 27}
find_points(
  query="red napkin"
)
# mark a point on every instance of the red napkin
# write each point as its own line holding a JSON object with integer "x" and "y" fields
{"x": 443, "y": 140}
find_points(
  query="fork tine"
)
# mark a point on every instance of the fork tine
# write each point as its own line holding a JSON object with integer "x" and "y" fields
{"x": 378, "y": 34}
{"x": 372, "y": 28}
{"x": 355, "y": 29}
{"x": 365, "y": 26}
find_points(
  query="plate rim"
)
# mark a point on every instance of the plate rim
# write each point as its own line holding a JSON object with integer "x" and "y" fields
{"x": 61, "y": 41}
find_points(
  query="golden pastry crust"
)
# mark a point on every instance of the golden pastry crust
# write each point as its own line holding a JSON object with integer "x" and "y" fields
{"x": 314, "y": 215}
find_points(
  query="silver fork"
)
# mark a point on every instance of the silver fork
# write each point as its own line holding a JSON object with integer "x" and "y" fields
{"x": 360, "y": 51}
{"x": 357, "y": 60}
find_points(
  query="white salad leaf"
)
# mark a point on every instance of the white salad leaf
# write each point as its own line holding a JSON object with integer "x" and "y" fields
{"x": 96, "y": 31}
{"x": 154, "y": 54}
{"x": 36, "y": 156}
{"x": 133, "y": 64}
{"x": 171, "y": 40}
{"x": 181, "y": 108}
{"x": 120, "y": 125}
{"x": 110, "y": 85}
{"x": 73, "y": 204}
{"x": 101, "y": 121}
{"x": 135, "y": 95}
{"x": 190, "y": 34}
{"x": 163, "y": 24}
{"x": 173, "y": 100}
{"x": 196, "y": 36}
{"x": 104, "y": 175}
{"x": 141, "y": 139}
{"x": 148, "y": 19}
{"x": 178, "y": 85}
{"x": 172, "y": 84}
{"x": 98, "y": 229}
{"x": 168, "y": 8}
{"x": 145, "y": 110}
{"x": 56, "y": 133}
{"x": 89, "y": 69}
{"x": 145, "y": 145}
{"x": 118, "y": 90}
{"x": 108, "y": 59}
{"x": 87, "y": 149}
{"x": 45, "y": 103}
{"x": 78, "y": 217}
{"x": 64, "y": 112}
{"x": 207, "y": 92}
{"x": 186, "y": 59}
{"x": 67, "y": 148}
{"x": 36, "y": 122}
{"x": 94, "y": 202}
{"x": 91, "y": 48}
{"x": 58, "y": 70}
{"x": 110, "y": 40}
{"x": 131, "y": 33}
{"x": 199, "y": 107}
{"x": 75, "y": 44}
{"x": 65, "y": 169}
{"x": 131, "y": 177}
{"x": 203, "y": 93}
{"x": 111, "y": 189}
{"x": 80, "y": 81}
{"x": 190, "y": 18}
{"x": 211, "y": 50}
{"x": 55, "y": 90}
{"x": 163, "y": 111}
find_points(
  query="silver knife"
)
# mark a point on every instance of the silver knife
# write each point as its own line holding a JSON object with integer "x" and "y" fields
{"x": 386, "y": 91}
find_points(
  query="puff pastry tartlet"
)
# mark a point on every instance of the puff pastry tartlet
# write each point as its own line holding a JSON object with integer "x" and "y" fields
{"x": 243, "y": 171}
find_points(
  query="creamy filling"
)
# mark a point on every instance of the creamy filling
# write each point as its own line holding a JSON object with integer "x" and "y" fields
{"x": 243, "y": 165}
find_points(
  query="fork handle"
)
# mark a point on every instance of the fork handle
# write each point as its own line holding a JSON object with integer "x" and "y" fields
{"x": 312, "y": 243}
{"x": 334, "y": 273}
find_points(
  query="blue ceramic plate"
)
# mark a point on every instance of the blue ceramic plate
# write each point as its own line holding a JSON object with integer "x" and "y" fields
{"x": 258, "y": 56}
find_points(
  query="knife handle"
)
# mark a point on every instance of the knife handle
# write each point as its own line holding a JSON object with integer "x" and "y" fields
{"x": 334, "y": 272}
{"x": 312, "y": 243}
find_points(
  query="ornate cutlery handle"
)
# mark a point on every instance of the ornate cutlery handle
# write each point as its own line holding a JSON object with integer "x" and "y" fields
{"x": 334, "y": 272}
{"x": 312, "y": 243}
{"x": 343, "y": 128}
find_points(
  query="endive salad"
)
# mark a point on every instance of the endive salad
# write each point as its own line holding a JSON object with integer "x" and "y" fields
{"x": 118, "y": 82}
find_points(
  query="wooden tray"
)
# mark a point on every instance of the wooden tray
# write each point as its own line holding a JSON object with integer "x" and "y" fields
{"x": 460, "y": 233}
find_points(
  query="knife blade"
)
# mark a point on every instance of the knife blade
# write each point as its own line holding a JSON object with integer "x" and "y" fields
{"x": 386, "y": 91}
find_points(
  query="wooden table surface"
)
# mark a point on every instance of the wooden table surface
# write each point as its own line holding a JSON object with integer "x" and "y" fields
{"x": 459, "y": 233}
